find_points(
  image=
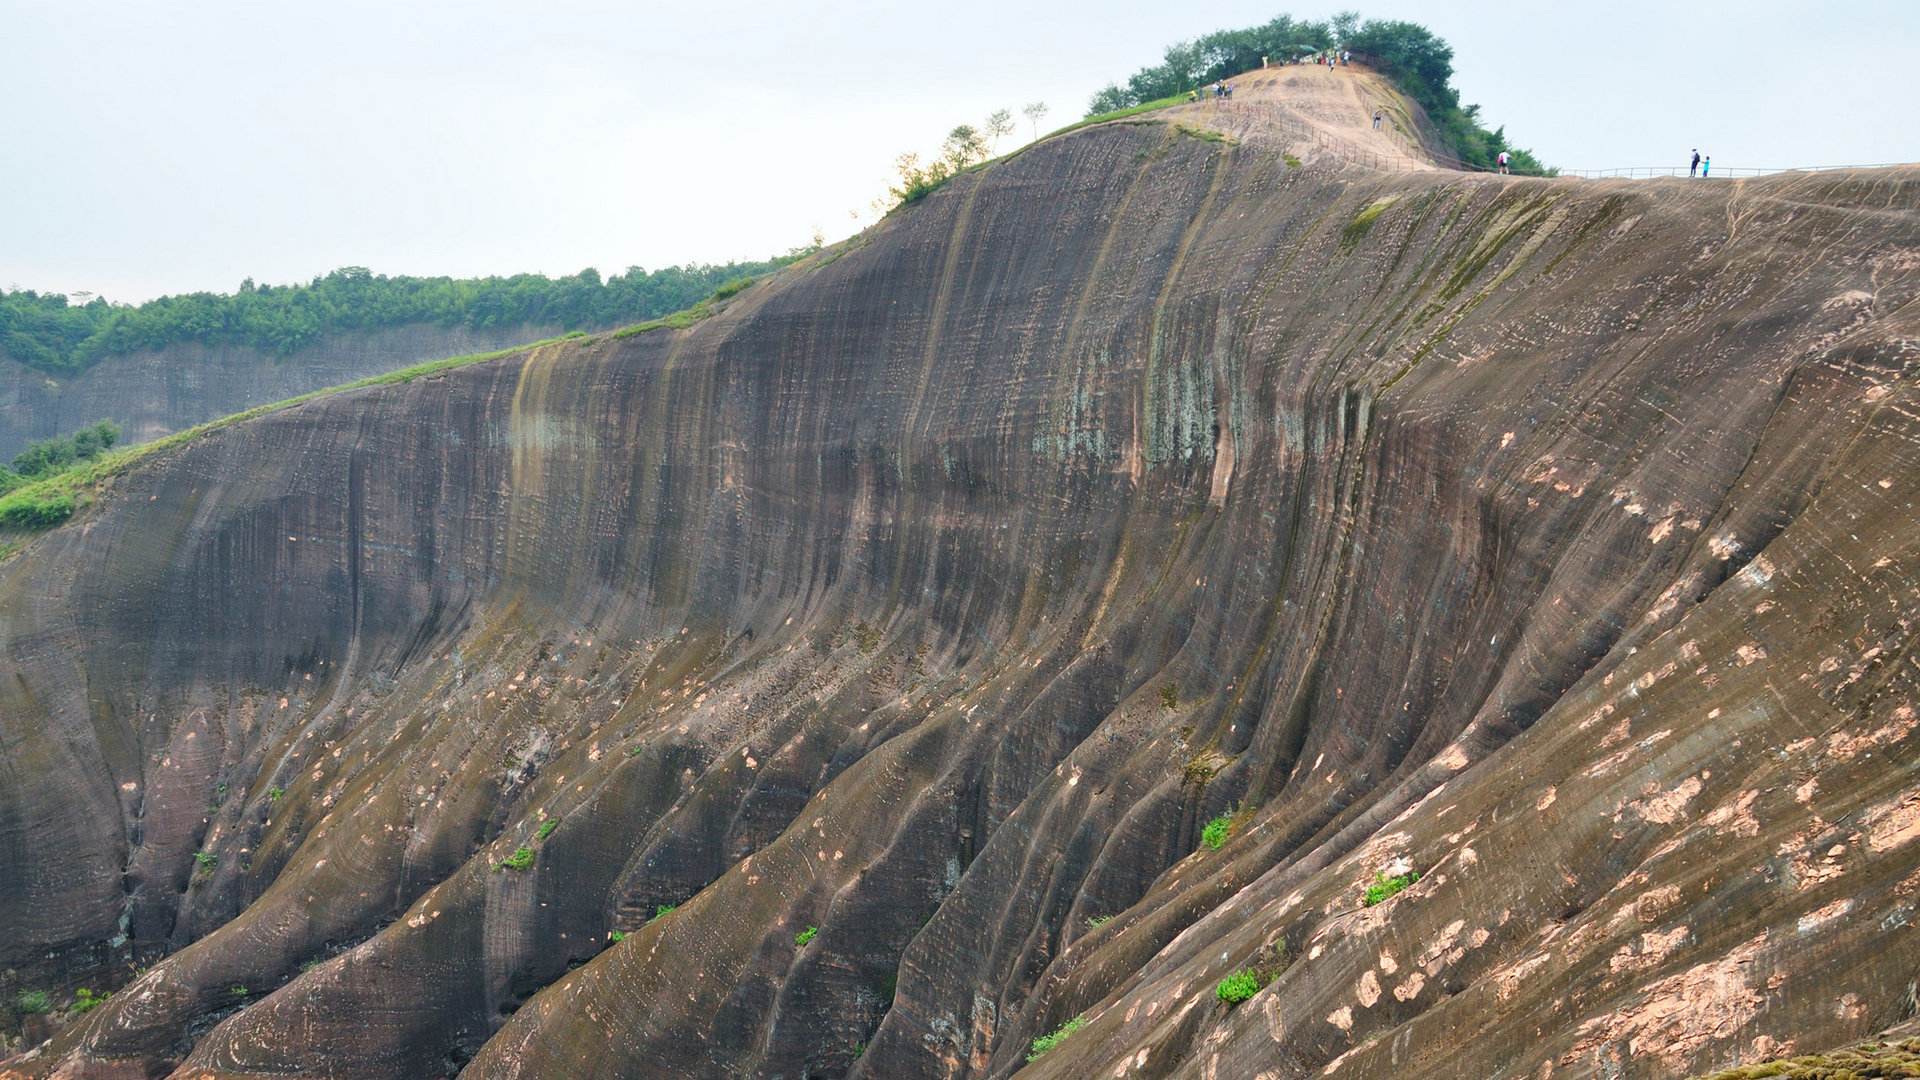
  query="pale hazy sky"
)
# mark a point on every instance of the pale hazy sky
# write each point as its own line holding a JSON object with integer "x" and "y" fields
{"x": 148, "y": 148}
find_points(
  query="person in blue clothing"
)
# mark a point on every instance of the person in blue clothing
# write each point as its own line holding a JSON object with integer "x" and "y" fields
{"x": 1706, "y": 163}
{"x": 1694, "y": 166}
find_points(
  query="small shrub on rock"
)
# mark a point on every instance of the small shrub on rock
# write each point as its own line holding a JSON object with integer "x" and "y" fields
{"x": 1267, "y": 964}
{"x": 1385, "y": 886}
{"x": 1047, "y": 1042}
{"x": 1237, "y": 987}
{"x": 1214, "y": 835}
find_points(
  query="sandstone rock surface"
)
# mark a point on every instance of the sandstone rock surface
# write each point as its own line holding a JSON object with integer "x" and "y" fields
{"x": 1557, "y": 537}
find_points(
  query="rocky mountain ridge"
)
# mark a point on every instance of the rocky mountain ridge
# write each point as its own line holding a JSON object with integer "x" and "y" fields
{"x": 841, "y": 686}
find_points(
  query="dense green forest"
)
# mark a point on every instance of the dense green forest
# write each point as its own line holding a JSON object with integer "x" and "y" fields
{"x": 1418, "y": 61}
{"x": 46, "y": 332}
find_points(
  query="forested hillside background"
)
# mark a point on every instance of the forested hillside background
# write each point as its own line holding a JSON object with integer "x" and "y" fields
{"x": 47, "y": 332}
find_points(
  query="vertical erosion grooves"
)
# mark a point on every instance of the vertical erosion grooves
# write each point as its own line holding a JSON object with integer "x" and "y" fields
{"x": 838, "y": 687}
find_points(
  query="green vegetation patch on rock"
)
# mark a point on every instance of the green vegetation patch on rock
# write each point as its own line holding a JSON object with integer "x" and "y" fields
{"x": 1362, "y": 224}
{"x": 36, "y": 509}
{"x": 1387, "y": 886}
{"x": 1122, "y": 112}
{"x": 1213, "y": 836}
{"x": 1243, "y": 983}
{"x": 1059, "y": 1035}
{"x": 1860, "y": 1061}
{"x": 1237, "y": 987}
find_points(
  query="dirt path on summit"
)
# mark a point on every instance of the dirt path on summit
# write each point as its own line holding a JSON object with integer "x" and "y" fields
{"x": 1317, "y": 115}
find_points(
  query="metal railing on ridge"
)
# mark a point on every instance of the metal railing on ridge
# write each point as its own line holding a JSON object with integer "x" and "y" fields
{"x": 1718, "y": 172}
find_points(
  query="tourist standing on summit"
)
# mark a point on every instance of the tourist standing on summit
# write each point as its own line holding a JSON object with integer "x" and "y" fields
{"x": 1706, "y": 163}
{"x": 1694, "y": 167}
{"x": 1503, "y": 162}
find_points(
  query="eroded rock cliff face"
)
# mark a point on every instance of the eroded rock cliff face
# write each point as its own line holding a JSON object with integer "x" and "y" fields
{"x": 158, "y": 392}
{"x": 1556, "y": 537}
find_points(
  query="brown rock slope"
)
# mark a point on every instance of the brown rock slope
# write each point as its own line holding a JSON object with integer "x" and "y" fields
{"x": 1557, "y": 537}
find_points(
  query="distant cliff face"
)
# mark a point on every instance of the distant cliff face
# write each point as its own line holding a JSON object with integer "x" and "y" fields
{"x": 157, "y": 392}
{"x": 841, "y": 686}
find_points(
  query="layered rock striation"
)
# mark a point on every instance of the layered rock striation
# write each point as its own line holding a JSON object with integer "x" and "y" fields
{"x": 1555, "y": 538}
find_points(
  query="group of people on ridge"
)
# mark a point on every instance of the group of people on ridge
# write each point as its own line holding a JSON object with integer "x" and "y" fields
{"x": 1330, "y": 58}
{"x": 1223, "y": 90}
{"x": 1700, "y": 165}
